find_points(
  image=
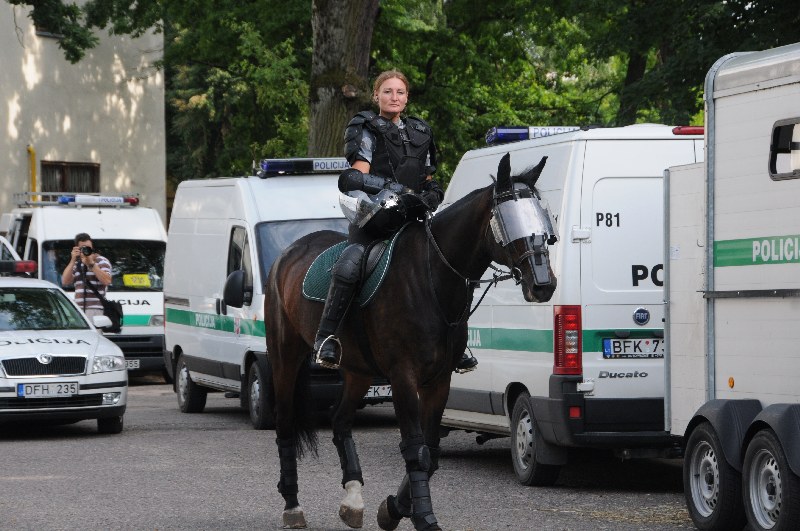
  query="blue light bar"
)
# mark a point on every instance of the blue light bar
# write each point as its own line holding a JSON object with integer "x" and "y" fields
{"x": 503, "y": 134}
{"x": 272, "y": 167}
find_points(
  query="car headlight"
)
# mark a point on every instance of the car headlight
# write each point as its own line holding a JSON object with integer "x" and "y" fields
{"x": 156, "y": 320}
{"x": 108, "y": 363}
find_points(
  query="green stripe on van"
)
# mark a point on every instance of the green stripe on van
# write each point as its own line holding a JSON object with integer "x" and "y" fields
{"x": 223, "y": 323}
{"x": 540, "y": 340}
{"x": 136, "y": 320}
{"x": 757, "y": 251}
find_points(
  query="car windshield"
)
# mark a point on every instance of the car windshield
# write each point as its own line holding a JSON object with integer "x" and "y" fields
{"x": 38, "y": 309}
{"x": 275, "y": 236}
{"x": 136, "y": 265}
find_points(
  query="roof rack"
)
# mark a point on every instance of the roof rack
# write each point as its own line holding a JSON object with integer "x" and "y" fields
{"x": 74, "y": 199}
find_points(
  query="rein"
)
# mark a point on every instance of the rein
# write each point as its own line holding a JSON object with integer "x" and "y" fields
{"x": 469, "y": 284}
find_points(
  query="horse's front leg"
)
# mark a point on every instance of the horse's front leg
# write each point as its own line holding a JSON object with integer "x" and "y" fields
{"x": 351, "y": 509}
{"x": 434, "y": 399}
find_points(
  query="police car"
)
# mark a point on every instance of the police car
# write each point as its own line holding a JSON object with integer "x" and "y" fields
{"x": 54, "y": 364}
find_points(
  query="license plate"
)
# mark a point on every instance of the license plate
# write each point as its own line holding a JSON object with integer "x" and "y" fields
{"x": 47, "y": 390}
{"x": 379, "y": 391}
{"x": 650, "y": 348}
{"x": 131, "y": 364}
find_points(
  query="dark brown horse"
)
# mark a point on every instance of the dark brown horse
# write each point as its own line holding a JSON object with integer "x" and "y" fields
{"x": 415, "y": 329}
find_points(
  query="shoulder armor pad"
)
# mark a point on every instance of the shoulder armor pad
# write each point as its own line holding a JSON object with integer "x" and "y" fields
{"x": 361, "y": 118}
{"x": 419, "y": 124}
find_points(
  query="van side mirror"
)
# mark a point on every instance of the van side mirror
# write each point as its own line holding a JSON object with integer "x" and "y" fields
{"x": 233, "y": 292}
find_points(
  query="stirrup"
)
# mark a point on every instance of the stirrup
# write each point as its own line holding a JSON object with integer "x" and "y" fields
{"x": 317, "y": 354}
{"x": 471, "y": 365}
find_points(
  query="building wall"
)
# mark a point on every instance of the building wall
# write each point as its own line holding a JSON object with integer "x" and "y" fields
{"x": 107, "y": 109}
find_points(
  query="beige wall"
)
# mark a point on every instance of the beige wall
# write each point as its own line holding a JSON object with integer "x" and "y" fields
{"x": 107, "y": 109}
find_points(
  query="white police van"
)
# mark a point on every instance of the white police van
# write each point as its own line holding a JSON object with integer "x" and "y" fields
{"x": 587, "y": 368}
{"x": 224, "y": 234}
{"x": 43, "y": 227}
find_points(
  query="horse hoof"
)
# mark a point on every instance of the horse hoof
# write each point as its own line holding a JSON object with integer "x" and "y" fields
{"x": 353, "y": 518}
{"x": 294, "y": 519}
{"x": 385, "y": 520}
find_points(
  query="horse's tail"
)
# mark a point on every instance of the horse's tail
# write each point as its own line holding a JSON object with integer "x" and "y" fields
{"x": 304, "y": 413}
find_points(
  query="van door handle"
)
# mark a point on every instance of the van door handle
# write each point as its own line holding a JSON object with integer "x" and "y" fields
{"x": 581, "y": 234}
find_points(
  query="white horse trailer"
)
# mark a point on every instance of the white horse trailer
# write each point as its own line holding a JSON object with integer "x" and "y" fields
{"x": 732, "y": 286}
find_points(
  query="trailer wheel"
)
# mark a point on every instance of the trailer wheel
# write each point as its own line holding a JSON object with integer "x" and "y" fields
{"x": 712, "y": 488}
{"x": 771, "y": 489}
{"x": 191, "y": 397}
{"x": 523, "y": 447}
{"x": 260, "y": 414}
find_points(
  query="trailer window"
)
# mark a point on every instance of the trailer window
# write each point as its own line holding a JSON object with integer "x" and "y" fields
{"x": 784, "y": 152}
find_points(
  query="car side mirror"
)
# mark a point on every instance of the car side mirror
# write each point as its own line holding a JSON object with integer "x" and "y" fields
{"x": 233, "y": 292}
{"x": 101, "y": 321}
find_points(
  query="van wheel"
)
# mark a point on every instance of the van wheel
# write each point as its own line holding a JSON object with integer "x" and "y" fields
{"x": 771, "y": 489}
{"x": 712, "y": 488}
{"x": 523, "y": 447}
{"x": 110, "y": 425}
{"x": 260, "y": 413}
{"x": 191, "y": 397}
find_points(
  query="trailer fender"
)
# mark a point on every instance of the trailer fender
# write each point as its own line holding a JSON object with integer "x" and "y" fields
{"x": 730, "y": 419}
{"x": 784, "y": 420}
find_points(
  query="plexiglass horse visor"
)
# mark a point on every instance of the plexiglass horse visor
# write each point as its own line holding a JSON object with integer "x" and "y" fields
{"x": 522, "y": 218}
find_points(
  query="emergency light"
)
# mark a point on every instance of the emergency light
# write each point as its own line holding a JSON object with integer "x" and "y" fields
{"x": 84, "y": 199}
{"x": 503, "y": 134}
{"x": 17, "y": 266}
{"x": 273, "y": 167}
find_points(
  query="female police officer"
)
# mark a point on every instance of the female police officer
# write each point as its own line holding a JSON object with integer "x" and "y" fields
{"x": 392, "y": 160}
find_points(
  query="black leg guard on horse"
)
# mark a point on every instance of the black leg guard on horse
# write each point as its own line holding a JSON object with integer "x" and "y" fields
{"x": 348, "y": 458}
{"x": 345, "y": 277}
{"x": 418, "y": 462}
{"x": 399, "y": 506}
{"x": 287, "y": 485}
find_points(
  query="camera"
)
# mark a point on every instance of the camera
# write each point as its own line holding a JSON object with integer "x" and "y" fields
{"x": 86, "y": 250}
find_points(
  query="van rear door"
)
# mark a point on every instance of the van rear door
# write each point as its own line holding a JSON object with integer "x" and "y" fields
{"x": 622, "y": 265}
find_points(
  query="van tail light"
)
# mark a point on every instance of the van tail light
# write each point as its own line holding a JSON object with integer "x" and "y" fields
{"x": 688, "y": 130}
{"x": 567, "y": 347}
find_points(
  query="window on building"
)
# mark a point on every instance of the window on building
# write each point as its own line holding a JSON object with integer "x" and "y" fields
{"x": 784, "y": 152}
{"x": 70, "y": 177}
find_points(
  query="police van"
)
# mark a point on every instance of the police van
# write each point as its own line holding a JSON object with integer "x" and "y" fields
{"x": 585, "y": 369}
{"x": 224, "y": 235}
{"x": 43, "y": 227}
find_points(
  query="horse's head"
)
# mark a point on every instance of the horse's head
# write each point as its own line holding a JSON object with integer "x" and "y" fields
{"x": 523, "y": 228}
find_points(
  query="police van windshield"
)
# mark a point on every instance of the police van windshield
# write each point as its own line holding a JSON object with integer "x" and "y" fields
{"x": 275, "y": 236}
{"x": 136, "y": 265}
{"x": 38, "y": 309}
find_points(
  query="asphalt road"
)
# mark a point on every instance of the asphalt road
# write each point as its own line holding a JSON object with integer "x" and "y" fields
{"x": 169, "y": 470}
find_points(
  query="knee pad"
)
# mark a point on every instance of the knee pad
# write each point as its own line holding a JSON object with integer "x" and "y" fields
{"x": 416, "y": 454}
{"x": 348, "y": 267}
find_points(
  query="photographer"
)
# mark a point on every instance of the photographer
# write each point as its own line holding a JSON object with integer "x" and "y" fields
{"x": 85, "y": 264}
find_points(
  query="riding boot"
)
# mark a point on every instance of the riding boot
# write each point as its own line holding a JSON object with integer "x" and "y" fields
{"x": 326, "y": 345}
{"x": 466, "y": 363}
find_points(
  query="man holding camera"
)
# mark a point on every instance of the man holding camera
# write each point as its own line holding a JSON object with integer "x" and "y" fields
{"x": 86, "y": 265}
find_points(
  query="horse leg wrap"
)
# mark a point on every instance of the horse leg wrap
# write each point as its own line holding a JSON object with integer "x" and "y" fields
{"x": 348, "y": 458}
{"x": 422, "y": 514}
{"x": 287, "y": 485}
{"x": 416, "y": 454}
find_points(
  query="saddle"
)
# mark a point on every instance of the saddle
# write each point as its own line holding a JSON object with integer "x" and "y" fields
{"x": 318, "y": 277}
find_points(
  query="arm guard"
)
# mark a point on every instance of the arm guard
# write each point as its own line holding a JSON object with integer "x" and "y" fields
{"x": 351, "y": 179}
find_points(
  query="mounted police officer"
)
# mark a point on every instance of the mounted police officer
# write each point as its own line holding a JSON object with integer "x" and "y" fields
{"x": 389, "y": 183}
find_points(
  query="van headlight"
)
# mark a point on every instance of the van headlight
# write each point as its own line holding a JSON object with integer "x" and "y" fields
{"x": 108, "y": 363}
{"x": 156, "y": 320}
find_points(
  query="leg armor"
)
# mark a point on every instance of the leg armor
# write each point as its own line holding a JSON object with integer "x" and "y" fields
{"x": 287, "y": 485}
{"x": 418, "y": 461}
{"x": 345, "y": 278}
{"x": 348, "y": 458}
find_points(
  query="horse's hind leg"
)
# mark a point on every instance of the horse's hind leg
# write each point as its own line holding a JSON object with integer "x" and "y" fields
{"x": 351, "y": 509}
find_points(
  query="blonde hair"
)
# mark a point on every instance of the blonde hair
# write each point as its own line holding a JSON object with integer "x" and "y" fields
{"x": 383, "y": 76}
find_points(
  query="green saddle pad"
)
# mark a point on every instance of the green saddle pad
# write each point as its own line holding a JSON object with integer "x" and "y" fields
{"x": 318, "y": 276}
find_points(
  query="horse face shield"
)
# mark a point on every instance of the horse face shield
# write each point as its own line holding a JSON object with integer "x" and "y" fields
{"x": 523, "y": 217}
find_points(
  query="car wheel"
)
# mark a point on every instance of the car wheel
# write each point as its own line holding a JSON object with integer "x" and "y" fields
{"x": 523, "y": 447}
{"x": 260, "y": 412}
{"x": 771, "y": 489}
{"x": 191, "y": 397}
{"x": 712, "y": 488}
{"x": 110, "y": 425}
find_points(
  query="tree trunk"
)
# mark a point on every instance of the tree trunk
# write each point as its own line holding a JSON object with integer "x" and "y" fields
{"x": 339, "y": 85}
{"x": 630, "y": 99}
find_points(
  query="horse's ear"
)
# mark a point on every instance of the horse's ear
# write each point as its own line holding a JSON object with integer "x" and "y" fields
{"x": 503, "y": 182}
{"x": 531, "y": 175}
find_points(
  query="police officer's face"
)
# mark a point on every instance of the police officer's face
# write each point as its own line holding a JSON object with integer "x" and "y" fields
{"x": 392, "y": 97}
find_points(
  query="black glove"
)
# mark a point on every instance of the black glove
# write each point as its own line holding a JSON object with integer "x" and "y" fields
{"x": 414, "y": 205}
